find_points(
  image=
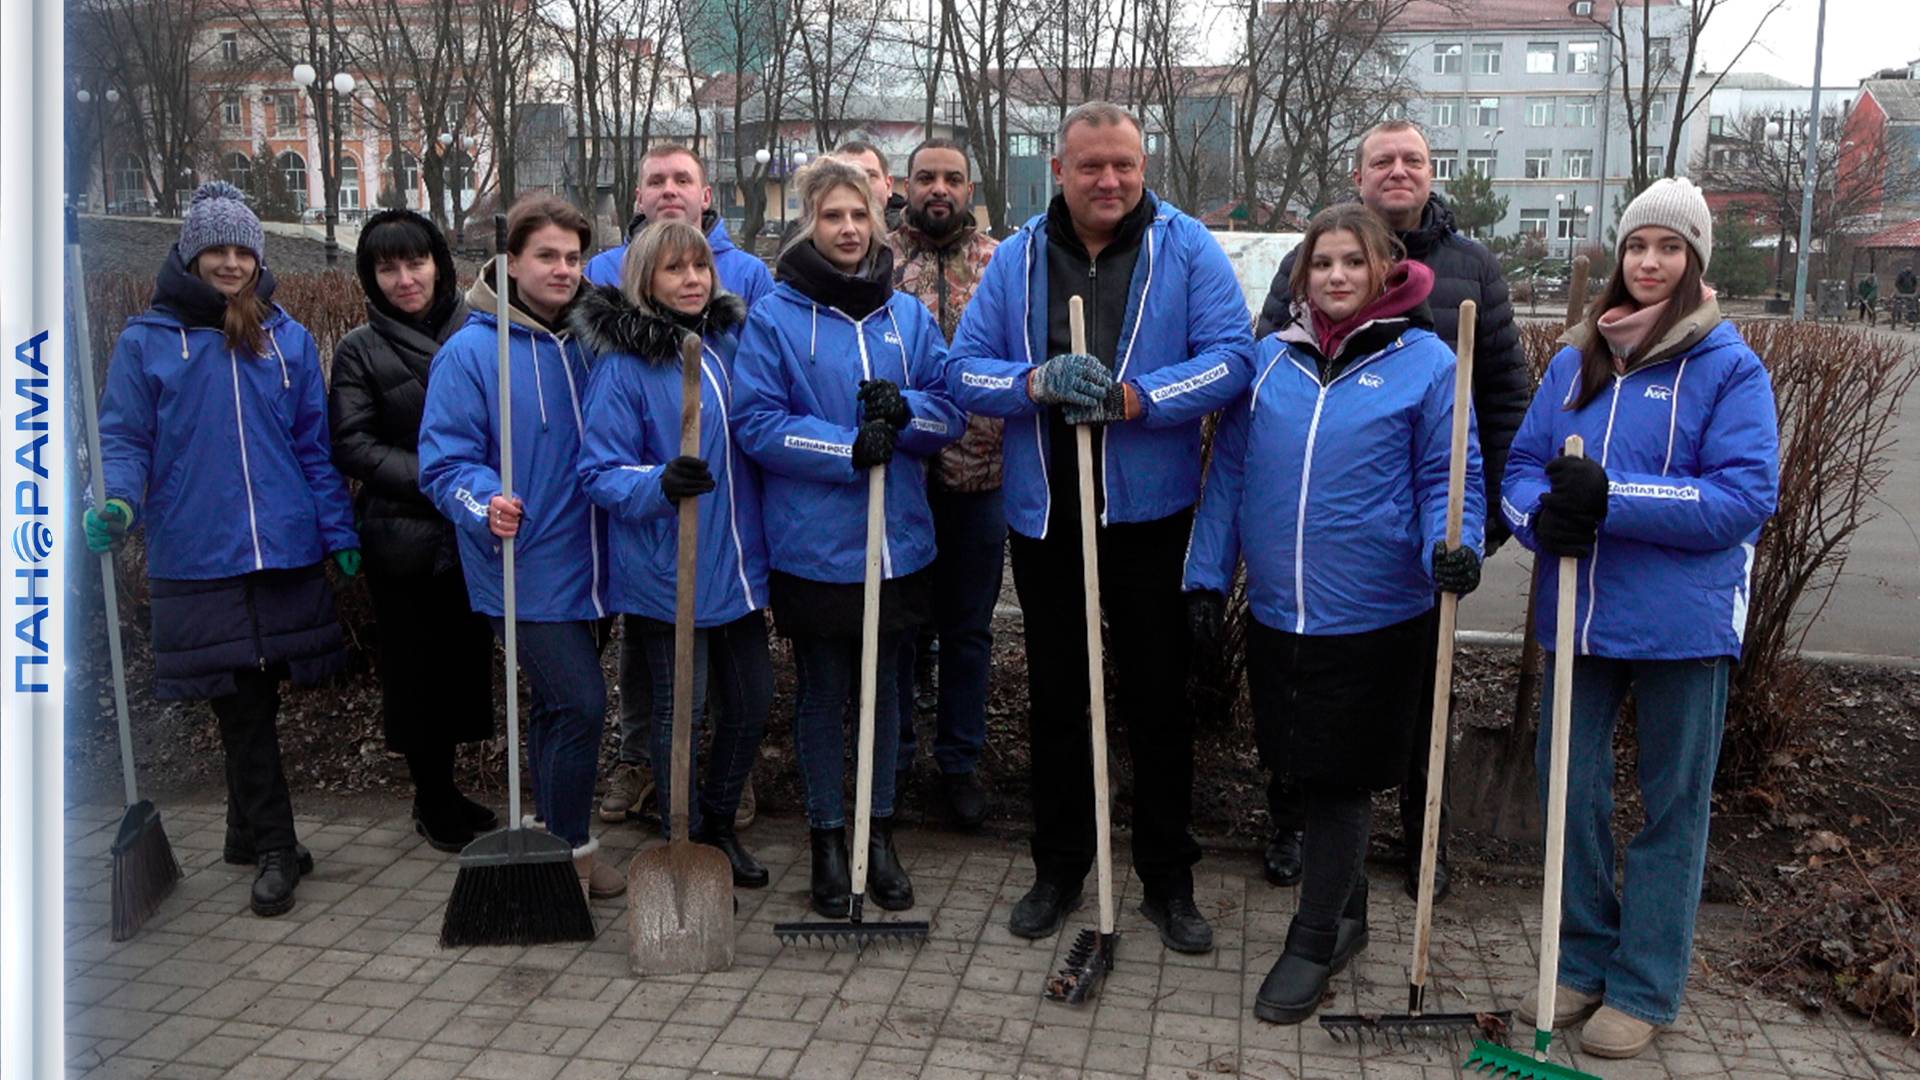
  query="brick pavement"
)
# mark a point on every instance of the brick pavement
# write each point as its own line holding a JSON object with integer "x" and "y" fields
{"x": 351, "y": 985}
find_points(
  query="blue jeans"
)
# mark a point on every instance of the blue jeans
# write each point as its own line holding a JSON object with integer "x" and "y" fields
{"x": 1635, "y": 945}
{"x": 970, "y": 532}
{"x": 731, "y": 668}
{"x": 827, "y": 676}
{"x": 564, "y": 719}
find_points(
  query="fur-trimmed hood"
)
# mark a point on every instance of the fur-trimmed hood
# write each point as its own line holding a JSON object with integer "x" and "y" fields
{"x": 607, "y": 322}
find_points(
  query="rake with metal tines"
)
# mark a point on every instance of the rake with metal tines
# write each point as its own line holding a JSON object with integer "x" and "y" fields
{"x": 1416, "y": 1022}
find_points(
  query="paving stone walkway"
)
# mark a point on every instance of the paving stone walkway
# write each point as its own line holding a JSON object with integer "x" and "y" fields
{"x": 351, "y": 985}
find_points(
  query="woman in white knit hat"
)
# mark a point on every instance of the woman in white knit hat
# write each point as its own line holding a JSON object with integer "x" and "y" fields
{"x": 1680, "y": 472}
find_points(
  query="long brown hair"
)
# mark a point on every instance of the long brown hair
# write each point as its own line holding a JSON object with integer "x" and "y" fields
{"x": 1596, "y": 359}
{"x": 1376, "y": 239}
{"x": 245, "y": 320}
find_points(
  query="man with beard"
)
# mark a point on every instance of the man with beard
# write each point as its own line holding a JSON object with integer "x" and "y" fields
{"x": 673, "y": 187}
{"x": 1394, "y": 171}
{"x": 938, "y": 256}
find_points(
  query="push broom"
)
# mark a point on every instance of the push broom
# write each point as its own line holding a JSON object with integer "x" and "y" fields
{"x": 515, "y": 886}
{"x": 1091, "y": 956}
{"x": 1494, "y": 1058}
{"x": 1416, "y": 1020}
{"x": 144, "y": 869}
{"x": 856, "y": 931}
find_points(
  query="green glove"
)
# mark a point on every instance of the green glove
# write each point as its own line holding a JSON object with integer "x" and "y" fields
{"x": 348, "y": 561}
{"x": 107, "y": 527}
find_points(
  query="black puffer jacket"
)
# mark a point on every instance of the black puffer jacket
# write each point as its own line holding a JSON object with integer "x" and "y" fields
{"x": 379, "y": 391}
{"x": 1462, "y": 270}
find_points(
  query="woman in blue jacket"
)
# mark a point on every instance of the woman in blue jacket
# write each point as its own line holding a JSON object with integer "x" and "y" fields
{"x": 631, "y": 466}
{"x": 213, "y": 436}
{"x": 559, "y": 536}
{"x": 1680, "y": 472}
{"x": 1329, "y": 477}
{"x": 838, "y": 374}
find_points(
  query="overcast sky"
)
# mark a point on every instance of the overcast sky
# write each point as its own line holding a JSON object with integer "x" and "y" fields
{"x": 1863, "y": 36}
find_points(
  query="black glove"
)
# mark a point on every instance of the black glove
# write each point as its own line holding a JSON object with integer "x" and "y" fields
{"x": 1563, "y": 534}
{"x": 1206, "y": 620}
{"x": 1579, "y": 488}
{"x": 1456, "y": 571}
{"x": 882, "y": 400}
{"x": 685, "y": 476}
{"x": 873, "y": 445}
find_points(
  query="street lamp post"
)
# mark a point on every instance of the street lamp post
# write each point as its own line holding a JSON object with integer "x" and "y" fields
{"x": 100, "y": 133}
{"x": 341, "y": 84}
{"x": 791, "y": 159}
{"x": 1567, "y": 202}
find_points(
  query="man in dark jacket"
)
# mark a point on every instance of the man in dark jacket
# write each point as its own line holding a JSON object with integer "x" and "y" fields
{"x": 1395, "y": 176}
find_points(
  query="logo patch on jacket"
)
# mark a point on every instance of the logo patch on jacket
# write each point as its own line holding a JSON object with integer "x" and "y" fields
{"x": 1660, "y": 393}
{"x": 890, "y": 338}
{"x": 1372, "y": 381}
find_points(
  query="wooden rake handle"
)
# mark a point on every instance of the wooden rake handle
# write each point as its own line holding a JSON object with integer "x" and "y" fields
{"x": 680, "y": 779}
{"x": 1563, "y": 645}
{"x": 1096, "y": 671}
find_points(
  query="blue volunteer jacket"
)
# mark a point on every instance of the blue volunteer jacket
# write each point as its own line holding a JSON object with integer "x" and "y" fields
{"x": 795, "y": 376}
{"x": 1335, "y": 494}
{"x": 560, "y": 552}
{"x": 1185, "y": 345}
{"x": 1691, "y": 448}
{"x": 633, "y": 428}
{"x": 741, "y": 273}
{"x": 224, "y": 457}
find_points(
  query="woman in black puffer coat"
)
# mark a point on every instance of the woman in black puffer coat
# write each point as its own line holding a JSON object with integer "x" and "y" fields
{"x": 435, "y": 655}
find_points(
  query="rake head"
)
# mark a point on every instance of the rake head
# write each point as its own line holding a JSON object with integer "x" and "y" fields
{"x": 1400, "y": 1028}
{"x": 1493, "y": 1059}
{"x": 1088, "y": 962}
{"x": 857, "y": 936}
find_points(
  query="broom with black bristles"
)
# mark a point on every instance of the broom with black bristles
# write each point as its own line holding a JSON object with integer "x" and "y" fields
{"x": 516, "y": 886}
{"x": 144, "y": 869}
{"x": 1416, "y": 1021}
{"x": 1091, "y": 956}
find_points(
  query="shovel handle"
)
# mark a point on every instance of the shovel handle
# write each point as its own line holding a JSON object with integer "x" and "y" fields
{"x": 680, "y": 778}
{"x": 1096, "y": 669}
{"x": 1568, "y": 582}
{"x": 1443, "y": 659}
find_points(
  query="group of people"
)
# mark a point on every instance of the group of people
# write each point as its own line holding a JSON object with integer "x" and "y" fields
{"x": 949, "y": 362}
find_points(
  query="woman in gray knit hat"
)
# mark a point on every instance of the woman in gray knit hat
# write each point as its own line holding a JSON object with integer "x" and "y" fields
{"x": 213, "y": 437}
{"x": 1680, "y": 472}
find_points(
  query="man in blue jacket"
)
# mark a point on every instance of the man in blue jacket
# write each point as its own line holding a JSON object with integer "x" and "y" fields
{"x": 1167, "y": 333}
{"x": 673, "y": 187}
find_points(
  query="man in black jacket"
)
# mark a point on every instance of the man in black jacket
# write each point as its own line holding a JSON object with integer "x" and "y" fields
{"x": 1395, "y": 176}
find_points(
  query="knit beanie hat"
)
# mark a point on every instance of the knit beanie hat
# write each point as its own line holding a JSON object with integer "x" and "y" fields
{"x": 1672, "y": 203}
{"x": 219, "y": 215}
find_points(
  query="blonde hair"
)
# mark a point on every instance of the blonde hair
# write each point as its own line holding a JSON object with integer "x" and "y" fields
{"x": 660, "y": 242}
{"x": 814, "y": 182}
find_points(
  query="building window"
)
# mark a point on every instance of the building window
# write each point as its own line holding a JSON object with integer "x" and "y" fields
{"x": 1486, "y": 59}
{"x": 1657, "y": 109}
{"x": 293, "y": 169}
{"x": 1393, "y": 59}
{"x": 409, "y": 173}
{"x": 1445, "y": 165}
{"x": 1580, "y": 112}
{"x": 349, "y": 183}
{"x": 1583, "y": 57}
{"x": 1583, "y": 8}
{"x": 1152, "y": 143}
{"x": 1540, "y": 111}
{"x": 1659, "y": 55}
{"x": 1579, "y": 164}
{"x": 230, "y": 111}
{"x": 1481, "y": 162}
{"x": 1656, "y": 161}
{"x": 397, "y": 114}
{"x": 1533, "y": 223}
{"x": 1024, "y": 146}
{"x": 1716, "y": 125}
{"x": 1446, "y": 113}
{"x": 1573, "y": 225}
{"x": 343, "y": 113}
{"x": 1543, "y": 57}
{"x": 229, "y": 46}
{"x": 1486, "y": 112}
{"x": 1446, "y": 58}
{"x": 129, "y": 180}
{"x": 286, "y": 113}
{"x": 237, "y": 169}
{"x": 1539, "y": 164}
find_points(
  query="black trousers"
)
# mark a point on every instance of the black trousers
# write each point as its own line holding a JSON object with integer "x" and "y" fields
{"x": 1140, "y": 567}
{"x": 259, "y": 805}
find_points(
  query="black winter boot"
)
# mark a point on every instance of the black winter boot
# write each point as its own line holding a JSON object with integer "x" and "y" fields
{"x": 747, "y": 871}
{"x": 832, "y": 885}
{"x": 887, "y": 880}
{"x": 1350, "y": 939}
{"x": 1293, "y": 989}
{"x": 443, "y": 823}
{"x": 278, "y": 877}
{"x": 238, "y": 850}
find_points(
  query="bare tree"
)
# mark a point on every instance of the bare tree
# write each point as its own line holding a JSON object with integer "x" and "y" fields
{"x": 639, "y": 81}
{"x": 986, "y": 42}
{"x": 753, "y": 39}
{"x": 498, "y": 54}
{"x": 406, "y": 52}
{"x": 836, "y": 40}
{"x": 1188, "y": 108}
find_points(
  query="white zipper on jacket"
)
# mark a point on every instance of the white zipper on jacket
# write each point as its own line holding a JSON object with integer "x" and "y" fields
{"x": 1593, "y": 560}
{"x": 866, "y": 372}
{"x": 579, "y": 429}
{"x": 246, "y": 472}
{"x": 1306, "y": 477}
{"x": 1120, "y": 369}
{"x": 726, "y": 442}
